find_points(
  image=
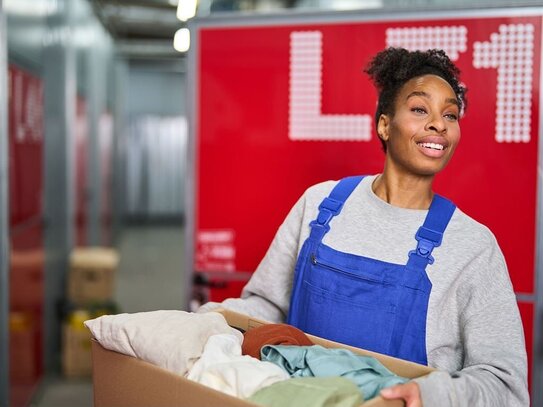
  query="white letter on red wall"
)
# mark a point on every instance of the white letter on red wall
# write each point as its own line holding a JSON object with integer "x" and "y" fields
{"x": 511, "y": 52}
{"x": 306, "y": 121}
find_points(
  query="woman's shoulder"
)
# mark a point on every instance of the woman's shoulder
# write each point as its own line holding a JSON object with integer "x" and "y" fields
{"x": 323, "y": 189}
{"x": 471, "y": 228}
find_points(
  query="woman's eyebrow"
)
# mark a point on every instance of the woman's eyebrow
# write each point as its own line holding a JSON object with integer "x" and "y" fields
{"x": 453, "y": 101}
{"x": 426, "y": 95}
{"x": 418, "y": 93}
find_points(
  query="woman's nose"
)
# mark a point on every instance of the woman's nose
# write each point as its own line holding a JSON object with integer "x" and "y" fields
{"x": 436, "y": 123}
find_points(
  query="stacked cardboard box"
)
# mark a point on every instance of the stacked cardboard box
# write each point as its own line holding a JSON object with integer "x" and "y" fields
{"x": 76, "y": 361}
{"x": 92, "y": 275}
{"x": 90, "y": 291}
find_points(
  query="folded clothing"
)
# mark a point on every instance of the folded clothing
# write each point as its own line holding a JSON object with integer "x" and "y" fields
{"x": 272, "y": 334}
{"x": 310, "y": 392}
{"x": 223, "y": 368}
{"x": 173, "y": 340}
{"x": 315, "y": 361}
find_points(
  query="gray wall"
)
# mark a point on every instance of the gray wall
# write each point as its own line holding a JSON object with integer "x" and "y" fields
{"x": 156, "y": 130}
{"x": 157, "y": 88}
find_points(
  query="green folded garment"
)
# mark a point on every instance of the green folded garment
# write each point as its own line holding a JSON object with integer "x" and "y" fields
{"x": 309, "y": 392}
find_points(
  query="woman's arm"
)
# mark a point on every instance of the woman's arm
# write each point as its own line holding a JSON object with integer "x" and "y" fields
{"x": 494, "y": 371}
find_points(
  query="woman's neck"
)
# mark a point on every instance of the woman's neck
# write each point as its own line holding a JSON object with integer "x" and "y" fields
{"x": 404, "y": 190}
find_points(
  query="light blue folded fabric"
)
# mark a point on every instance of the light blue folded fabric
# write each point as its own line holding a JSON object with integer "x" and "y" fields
{"x": 315, "y": 361}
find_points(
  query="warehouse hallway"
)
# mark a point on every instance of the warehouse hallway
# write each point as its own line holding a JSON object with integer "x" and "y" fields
{"x": 152, "y": 262}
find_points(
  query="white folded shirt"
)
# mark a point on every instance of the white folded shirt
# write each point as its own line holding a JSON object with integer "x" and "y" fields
{"x": 224, "y": 368}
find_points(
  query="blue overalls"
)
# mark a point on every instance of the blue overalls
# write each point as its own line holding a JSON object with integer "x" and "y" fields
{"x": 365, "y": 302}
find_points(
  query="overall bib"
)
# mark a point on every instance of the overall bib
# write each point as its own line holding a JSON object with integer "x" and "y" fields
{"x": 364, "y": 302}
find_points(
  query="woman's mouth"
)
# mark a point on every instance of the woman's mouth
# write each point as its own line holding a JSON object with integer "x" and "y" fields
{"x": 433, "y": 146}
{"x": 433, "y": 150}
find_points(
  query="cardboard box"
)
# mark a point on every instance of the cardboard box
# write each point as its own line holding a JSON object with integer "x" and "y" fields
{"x": 76, "y": 346}
{"x": 91, "y": 278}
{"x": 24, "y": 364}
{"x": 124, "y": 381}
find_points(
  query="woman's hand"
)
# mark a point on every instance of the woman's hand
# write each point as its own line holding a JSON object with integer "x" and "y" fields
{"x": 409, "y": 392}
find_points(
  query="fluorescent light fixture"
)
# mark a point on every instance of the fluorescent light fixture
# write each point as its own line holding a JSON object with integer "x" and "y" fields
{"x": 181, "y": 40}
{"x": 31, "y": 8}
{"x": 354, "y": 4}
{"x": 186, "y": 9}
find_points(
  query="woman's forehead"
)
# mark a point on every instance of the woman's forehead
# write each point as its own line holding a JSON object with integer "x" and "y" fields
{"x": 431, "y": 85}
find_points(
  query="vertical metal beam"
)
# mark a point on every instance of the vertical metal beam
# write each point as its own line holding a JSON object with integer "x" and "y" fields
{"x": 4, "y": 218}
{"x": 60, "y": 104}
{"x": 191, "y": 176}
{"x": 537, "y": 350}
{"x": 120, "y": 75}
{"x": 96, "y": 84}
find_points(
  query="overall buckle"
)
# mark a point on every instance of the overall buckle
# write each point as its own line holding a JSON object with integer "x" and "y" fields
{"x": 331, "y": 204}
{"x": 328, "y": 208}
{"x": 427, "y": 240}
{"x": 424, "y": 249}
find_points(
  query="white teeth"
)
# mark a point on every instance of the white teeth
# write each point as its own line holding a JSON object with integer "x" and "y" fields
{"x": 432, "y": 145}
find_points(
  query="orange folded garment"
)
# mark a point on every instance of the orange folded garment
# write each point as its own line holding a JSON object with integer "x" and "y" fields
{"x": 272, "y": 334}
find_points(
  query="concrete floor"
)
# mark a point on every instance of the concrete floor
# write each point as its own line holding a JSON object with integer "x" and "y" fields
{"x": 150, "y": 277}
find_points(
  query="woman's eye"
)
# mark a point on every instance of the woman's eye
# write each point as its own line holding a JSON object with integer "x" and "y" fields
{"x": 419, "y": 110}
{"x": 451, "y": 116}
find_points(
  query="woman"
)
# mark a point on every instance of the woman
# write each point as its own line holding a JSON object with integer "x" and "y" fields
{"x": 383, "y": 263}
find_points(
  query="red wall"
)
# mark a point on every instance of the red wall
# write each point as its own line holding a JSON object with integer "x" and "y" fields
{"x": 281, "y": 107}
{"x": 26, "y": 234}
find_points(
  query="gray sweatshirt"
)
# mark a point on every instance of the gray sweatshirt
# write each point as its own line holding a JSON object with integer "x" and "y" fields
{"x": 474, "y": 333}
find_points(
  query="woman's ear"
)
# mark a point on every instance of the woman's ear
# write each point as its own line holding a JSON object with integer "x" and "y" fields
{"x": 382, "y": 127}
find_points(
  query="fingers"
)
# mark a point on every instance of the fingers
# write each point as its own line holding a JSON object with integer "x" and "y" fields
{"x": 408, "y": 392}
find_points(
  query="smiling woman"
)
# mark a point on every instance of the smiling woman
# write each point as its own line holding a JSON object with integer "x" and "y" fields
{"x": 383, "y": 263}
{"x": 418, "y": 112}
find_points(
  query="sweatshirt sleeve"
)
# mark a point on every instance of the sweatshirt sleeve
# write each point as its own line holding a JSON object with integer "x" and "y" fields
{"x": 494, "y": 371}
{"x": 267, "y": 294}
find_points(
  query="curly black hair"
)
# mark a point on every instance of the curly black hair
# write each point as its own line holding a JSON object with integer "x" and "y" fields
{"x": 391, "y": 68}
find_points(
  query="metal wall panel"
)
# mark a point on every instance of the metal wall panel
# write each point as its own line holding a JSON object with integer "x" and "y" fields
{"x": 4, "y": 218}
{"x": 60, "y": 105}
{"x": 155, "y": 167}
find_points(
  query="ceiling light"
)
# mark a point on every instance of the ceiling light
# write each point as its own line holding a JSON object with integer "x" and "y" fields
{"x": 181, "y": 40}
{"x": 186, "y": 9}
{"x": 30, "y": 8}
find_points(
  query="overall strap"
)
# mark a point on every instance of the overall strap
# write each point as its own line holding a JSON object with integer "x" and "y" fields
{"x": 331, "y": 206}
{"x": 430, "y": 234}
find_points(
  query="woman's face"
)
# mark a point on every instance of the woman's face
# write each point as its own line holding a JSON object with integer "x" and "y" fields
{"x": 423, "y": 133}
